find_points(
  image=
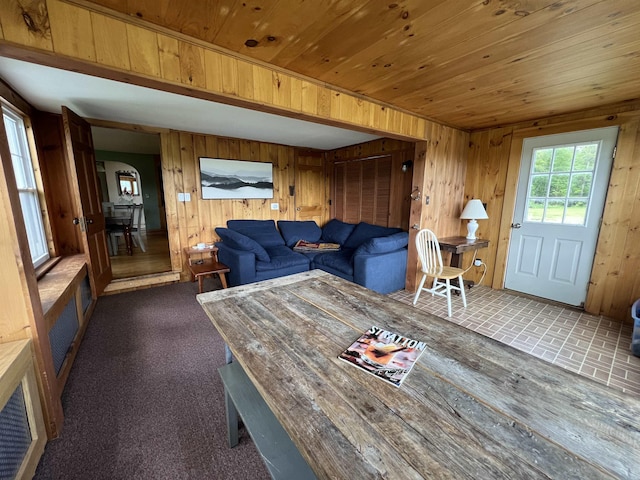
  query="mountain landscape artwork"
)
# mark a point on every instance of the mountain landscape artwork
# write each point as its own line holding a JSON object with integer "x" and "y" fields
{"x": 224, "y": 179}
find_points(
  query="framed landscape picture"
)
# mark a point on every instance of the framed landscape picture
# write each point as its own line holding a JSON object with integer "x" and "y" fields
{"x": 226, "y": 179}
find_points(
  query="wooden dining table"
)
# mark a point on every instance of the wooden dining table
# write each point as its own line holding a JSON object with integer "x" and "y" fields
{"x": 470, "y": 408}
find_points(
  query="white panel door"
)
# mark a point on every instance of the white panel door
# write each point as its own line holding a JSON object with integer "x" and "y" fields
{"x": 561, "y": 192}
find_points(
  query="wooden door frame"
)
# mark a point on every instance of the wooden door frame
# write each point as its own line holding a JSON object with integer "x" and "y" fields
{"x": 511, "y": 189}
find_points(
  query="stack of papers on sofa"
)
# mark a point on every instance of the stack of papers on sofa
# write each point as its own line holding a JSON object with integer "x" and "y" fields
{"x": 304, "y": 246}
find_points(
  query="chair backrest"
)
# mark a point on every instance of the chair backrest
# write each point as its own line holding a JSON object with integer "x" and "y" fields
{"x": 137, "y": 210}
{"x": 107, "y": 208}
{"x": 429, "y": 251}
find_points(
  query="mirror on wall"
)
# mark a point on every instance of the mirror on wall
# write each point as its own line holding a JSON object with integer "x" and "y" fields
{"x": 127, "y": 183}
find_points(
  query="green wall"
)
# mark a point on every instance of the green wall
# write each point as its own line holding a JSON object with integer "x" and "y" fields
{"x": 145, "y": 165}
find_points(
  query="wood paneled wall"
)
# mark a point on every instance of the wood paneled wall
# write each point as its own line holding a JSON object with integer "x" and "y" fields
{"x": 492, "y": 173}
{"x": 439, "y": 171}
{"x": 97, "y": 41}
{"x": 192, "y": 222}
{"x": 369, "y": 184}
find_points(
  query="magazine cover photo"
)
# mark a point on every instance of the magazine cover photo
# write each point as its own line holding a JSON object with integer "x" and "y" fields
{"x": 384, "y": 354}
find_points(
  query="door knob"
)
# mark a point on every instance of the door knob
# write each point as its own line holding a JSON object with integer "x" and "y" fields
{"x": 516, "y": 225}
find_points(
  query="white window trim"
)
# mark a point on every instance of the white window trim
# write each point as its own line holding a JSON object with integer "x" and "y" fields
{"x": 23, "y": 169}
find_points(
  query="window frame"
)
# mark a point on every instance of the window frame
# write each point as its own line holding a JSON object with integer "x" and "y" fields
{"x": 30, "y": 184}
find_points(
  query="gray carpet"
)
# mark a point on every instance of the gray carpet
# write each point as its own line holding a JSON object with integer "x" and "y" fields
{"x": 144, "y": 399}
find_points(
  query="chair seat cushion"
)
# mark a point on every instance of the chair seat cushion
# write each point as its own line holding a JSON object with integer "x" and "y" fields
{"x": 262, "y": 231}
{"x": 239, "y": 241}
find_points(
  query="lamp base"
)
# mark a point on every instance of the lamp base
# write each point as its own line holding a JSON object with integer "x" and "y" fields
{"x": 472, "y": 226}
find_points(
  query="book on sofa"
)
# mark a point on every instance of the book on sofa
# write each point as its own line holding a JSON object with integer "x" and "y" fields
{"x": 384, "y": 354}
{"x": 304, "y": 246}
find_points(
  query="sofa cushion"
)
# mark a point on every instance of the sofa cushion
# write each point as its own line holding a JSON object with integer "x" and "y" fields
{"x": 365, "y": 231}
{"x": 281, "y": 257}
{"x": 340, "y": 261}
{"x": 292, "y": 231}
{"x": 262, "y": 231}
{"x": 242, "y": 242}
{"x": 383, "y": 244}
{"x": 336, "y": 231}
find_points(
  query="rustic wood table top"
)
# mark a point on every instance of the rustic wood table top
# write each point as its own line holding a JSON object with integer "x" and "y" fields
{"x": 470, "y": 408}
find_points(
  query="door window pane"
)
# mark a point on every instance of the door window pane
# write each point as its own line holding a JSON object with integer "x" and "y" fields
{"x": 535, "y": 210}
{"x": 539, "y": 186}
{"x": 542, "y": 160}
{"x": 585, "y": 157}
{"x": 581, "y": 185}
{"x": 554, "y": 212}
{"x": 562, "y": 159}
{"x": 559, "y": 185}
{"x": 576, "y": 212}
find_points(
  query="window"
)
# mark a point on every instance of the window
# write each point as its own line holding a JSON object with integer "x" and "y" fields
{"x": 560, "y": 183}
{"x": 27, "y": 188}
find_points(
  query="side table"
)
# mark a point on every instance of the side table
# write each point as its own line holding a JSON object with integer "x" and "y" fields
{"x": 457, "y": 246}
{"x": 207, "y": 266}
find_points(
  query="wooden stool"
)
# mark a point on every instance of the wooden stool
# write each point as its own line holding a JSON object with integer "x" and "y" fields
{"x": 206, "y": 267}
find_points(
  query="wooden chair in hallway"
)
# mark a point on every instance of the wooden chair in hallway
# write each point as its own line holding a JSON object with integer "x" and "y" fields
{"x": 137, "y": 211}
{"x": 431, "y": 260}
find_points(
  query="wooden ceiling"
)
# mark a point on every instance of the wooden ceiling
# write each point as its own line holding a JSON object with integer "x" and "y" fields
{"x": 465, "y": 63}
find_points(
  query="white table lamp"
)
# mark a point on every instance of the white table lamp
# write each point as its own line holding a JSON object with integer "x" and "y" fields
{"x": 473, "y": 211}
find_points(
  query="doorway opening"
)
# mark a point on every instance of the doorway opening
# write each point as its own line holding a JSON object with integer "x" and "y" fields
{"x": 130, "y": 180}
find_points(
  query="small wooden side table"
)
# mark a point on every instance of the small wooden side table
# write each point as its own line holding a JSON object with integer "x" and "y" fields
{"x": 205, "y": 267}
{"x": 457, "y": 246}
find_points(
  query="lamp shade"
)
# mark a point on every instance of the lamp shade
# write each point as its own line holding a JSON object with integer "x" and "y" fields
{"x": 474, "y": 211}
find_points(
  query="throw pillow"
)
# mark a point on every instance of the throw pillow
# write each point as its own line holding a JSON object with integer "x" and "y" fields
{"x": 262, "y": 231}
{"x": 336, "y": 231}
{"x": 241, "y": 242}
{"x": 390, "y": 243}
{"x": 292, "y": 231}
{"x": 366, "y": 231}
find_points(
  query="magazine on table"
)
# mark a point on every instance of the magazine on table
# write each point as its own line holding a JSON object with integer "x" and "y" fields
{"x": 384, "y": 354}
{"x": 304, "y": 246}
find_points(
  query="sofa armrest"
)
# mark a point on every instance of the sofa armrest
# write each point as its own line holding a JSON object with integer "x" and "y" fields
{"x": 242, "y": 264}
{"x": 384, "y": 273}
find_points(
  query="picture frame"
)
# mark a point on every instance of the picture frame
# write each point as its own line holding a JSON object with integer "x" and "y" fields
{"x": 235, "y": 179}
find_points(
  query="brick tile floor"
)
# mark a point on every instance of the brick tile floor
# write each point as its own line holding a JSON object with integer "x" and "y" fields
{"x": 590, "y": 345}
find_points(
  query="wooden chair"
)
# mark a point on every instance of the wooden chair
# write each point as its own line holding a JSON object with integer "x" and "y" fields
{"x": 431, "y": 260}
{"x": 136, "y": 223}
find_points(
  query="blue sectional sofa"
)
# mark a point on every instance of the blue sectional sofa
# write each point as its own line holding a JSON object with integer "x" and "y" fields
{"x": 372, "y": 256}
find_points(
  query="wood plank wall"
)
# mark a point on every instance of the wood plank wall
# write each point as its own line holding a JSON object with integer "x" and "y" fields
{"x": 492, "y": 173}
{"x": 90, "y": 39}
{"x": 439, "y": 172}
{"x": 369, "y": 184}
{"x": 189, "y": 223}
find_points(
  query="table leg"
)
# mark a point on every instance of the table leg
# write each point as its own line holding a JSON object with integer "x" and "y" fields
{"x": 223, "y": 280}
{"x": 232, "y": 420}
{"x": 128, "y": 241}
{"x": 200, "y": 283}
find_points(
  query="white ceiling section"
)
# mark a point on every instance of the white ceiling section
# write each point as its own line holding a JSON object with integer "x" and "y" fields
{"x": 49, "y": 88}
